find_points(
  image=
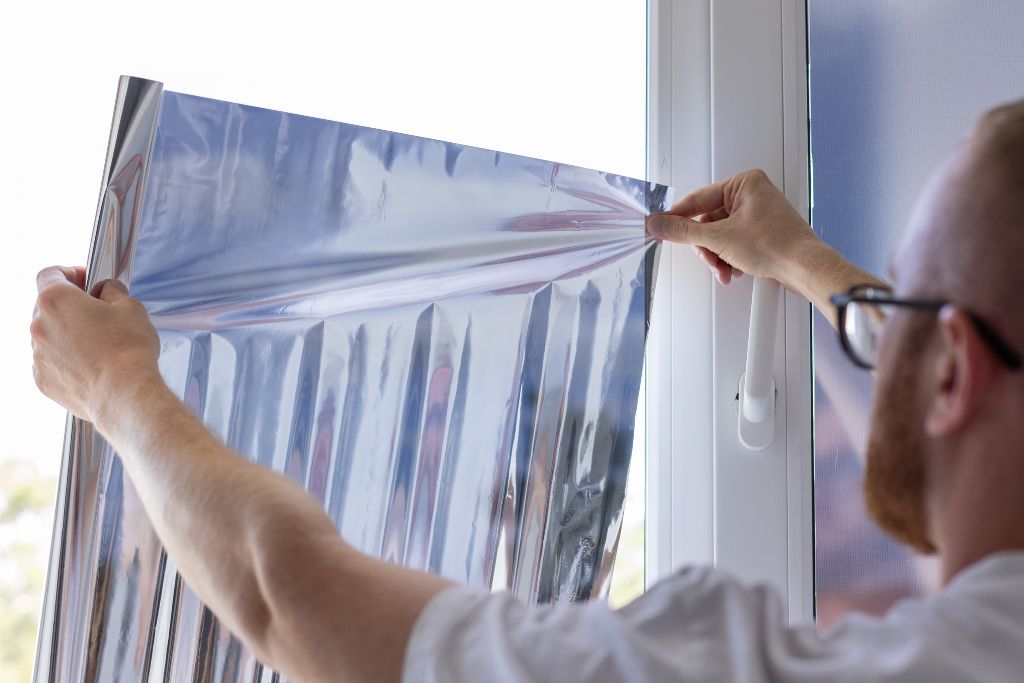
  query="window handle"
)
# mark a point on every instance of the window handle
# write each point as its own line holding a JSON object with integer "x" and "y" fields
{"x": 757, "y": 385}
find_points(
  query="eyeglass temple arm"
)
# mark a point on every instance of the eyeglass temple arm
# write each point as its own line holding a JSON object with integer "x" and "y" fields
{"x": 1004, "y": 350}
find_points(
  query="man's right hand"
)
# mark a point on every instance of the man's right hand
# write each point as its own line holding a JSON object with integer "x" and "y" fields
{"x": 743, "y": 224}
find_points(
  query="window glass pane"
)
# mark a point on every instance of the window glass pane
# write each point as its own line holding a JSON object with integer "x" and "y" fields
{"x": 894, "y": 86}
{"x": 628, "y": 573}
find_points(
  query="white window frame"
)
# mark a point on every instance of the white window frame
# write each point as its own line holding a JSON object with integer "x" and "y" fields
{"x": 727, "y": 91}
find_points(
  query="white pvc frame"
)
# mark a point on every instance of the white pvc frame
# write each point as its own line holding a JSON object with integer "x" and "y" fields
{"x": 727, "y": 92}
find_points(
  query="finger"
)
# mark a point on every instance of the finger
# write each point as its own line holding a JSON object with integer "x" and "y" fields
{"x": 722, "y": 270}
{"x": 716, "y": 215}
{"x": 78, "y": 280}
{"x": 682, "y": 230}
{"x": 712, "y": 259}
{"x": 716, "y": 262}
{"x": 59, "y": 275}
{"x": 719, "y": 268}
{"x": 110, "y": 291}
{"x": 705, "y": 200}
{"x": 707, "y": 255}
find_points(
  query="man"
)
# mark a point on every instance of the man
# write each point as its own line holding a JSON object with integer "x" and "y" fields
{"x": 945, "y": 473}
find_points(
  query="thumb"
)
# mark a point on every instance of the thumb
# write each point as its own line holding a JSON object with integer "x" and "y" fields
{"x": 676, "y": 228}
{"x": 110, "y": 291}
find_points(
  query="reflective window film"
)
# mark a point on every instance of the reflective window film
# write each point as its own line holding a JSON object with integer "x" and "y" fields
{"x": 894, "y": 86}
{"x": 442, "y": 343}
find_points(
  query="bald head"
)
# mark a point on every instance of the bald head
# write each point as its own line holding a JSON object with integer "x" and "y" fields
{"x": 944, "y": 467}
{"x": 966, "y": 240}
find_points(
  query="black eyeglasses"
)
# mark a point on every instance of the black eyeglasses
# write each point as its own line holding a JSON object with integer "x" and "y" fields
{"x": 863, "y": 312}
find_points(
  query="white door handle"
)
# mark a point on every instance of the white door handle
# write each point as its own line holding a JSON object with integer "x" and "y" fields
{"x": 757, "y": 386}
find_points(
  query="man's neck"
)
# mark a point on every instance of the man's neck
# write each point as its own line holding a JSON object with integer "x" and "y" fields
{"x": 977, "y": 504}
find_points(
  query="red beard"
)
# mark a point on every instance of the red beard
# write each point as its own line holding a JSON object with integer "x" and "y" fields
{"x": 894, "y": 480}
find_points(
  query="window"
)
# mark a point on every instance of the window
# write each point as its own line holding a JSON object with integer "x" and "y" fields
{"x": 894, "y": 86}
{"x": 727, "y": 94}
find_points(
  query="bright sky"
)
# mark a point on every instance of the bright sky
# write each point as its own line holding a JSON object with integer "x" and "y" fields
{"x": 558, "y": 80}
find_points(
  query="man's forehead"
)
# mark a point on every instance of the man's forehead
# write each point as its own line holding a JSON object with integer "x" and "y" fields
{"x": 929, "y": 222}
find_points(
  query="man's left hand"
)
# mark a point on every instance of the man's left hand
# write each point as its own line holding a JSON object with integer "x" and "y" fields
{"x": 87, "y": 349}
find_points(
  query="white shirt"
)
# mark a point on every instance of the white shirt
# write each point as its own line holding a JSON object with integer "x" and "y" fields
{"x": 702, "y": 625}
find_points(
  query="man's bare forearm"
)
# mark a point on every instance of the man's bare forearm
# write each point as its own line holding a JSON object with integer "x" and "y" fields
{"x": 258, "y": 550}
{"x": 817, "y": 271}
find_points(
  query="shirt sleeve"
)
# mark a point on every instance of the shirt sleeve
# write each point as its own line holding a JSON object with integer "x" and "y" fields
{"x": 699, "y": 625}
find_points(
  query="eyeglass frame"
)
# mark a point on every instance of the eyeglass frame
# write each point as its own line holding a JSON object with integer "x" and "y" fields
{"x": 999, "y": 346}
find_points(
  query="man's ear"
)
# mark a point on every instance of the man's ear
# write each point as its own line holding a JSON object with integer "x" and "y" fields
{"x": 963, "y": 370}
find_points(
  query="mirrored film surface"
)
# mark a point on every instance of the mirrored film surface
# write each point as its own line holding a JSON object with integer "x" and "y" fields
{"x": 894, "y": 87}
{"x": 443, "y": 344}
